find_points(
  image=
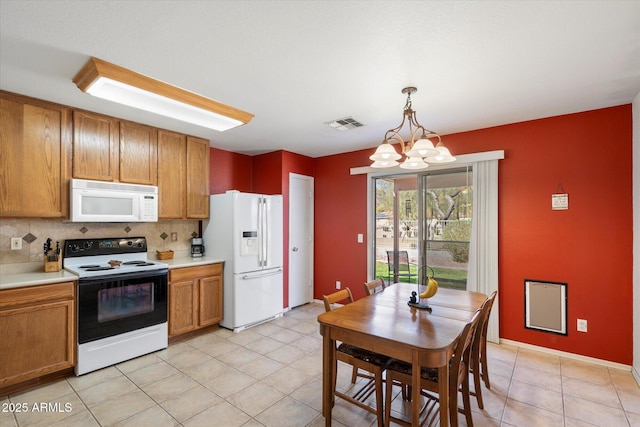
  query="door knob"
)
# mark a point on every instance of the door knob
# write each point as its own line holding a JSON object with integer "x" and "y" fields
{"x": 294, "y": 249}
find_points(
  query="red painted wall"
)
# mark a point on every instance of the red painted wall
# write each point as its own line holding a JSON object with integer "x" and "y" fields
{"x": 588, "y": 246}
{"x": 229, "y": 171}
{"x": 340, "y": 214}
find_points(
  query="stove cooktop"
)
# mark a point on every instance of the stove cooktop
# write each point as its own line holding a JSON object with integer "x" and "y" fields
{"x": 105, "y": 257}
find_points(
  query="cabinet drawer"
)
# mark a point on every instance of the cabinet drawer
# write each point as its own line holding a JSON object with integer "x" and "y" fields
{"x": 31, "y": 295}
{"x": 195, "y": 272}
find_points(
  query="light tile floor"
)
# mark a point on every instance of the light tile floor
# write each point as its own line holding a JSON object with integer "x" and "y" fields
{"x": 270, "y": 375}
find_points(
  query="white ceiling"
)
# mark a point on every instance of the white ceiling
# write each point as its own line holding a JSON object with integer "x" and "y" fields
{"x": 298, "y": 64}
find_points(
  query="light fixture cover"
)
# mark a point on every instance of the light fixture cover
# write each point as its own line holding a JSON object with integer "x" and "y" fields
{"x": 384, "y": 163}
{"x": 385, "y": 152}
{"x": 115, "y": 83}
{"x": 443, "y": 155}
{"x": 422, "y": 148}
{"x": 414, "y": 163}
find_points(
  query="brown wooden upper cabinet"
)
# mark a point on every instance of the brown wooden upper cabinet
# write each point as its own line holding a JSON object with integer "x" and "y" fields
{"x": 35, "y": 151}
{"x": 95, "y": 146}
{"x": 197, "y": 178}
{"x": 138, "y": 154}
{"x": 43, "y": 145}
{"x": 172, "y": 179}
{"x": 183, "y": 176}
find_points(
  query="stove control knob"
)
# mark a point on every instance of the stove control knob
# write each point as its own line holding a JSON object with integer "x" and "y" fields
{"x": 87, "y": 245}
{"x": 74, "y": 248}
{"x": 129, "y": 243}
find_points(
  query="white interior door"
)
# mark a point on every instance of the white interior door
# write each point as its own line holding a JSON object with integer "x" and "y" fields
{"x": 300, "y": 239}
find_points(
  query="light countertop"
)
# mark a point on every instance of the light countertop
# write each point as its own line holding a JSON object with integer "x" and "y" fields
{"x": 32, "y": 273}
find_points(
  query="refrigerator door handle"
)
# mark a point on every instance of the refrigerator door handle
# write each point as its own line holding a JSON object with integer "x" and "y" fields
{"x": 257, "y": 276}
{"x": 266, "y": 232}
{"x": 260, "y": 233}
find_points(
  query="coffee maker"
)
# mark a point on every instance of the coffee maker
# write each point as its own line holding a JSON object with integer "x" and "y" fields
{"x": 197, "y": 247}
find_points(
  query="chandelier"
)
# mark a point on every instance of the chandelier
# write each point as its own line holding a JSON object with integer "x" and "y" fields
{"x": 419, "y": 151}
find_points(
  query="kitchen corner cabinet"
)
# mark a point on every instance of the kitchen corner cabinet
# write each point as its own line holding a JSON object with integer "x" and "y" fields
{"x": 35, "y": 152}
{"x": 195, "y": 298}
{"x": 95, "y": 146}
{"x": 183, "y": 176}
{"x": 37, "y": 326}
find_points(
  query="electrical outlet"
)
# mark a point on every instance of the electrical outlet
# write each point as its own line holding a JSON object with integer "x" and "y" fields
{"x": 338, "y": 284}
{"x": 174, "y": 236}
{"x": 582, "y": 325}
{"x": 16, "y": 243}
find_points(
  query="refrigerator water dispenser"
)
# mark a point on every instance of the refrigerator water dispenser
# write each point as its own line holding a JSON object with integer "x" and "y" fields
{"x": 249, "y": 243}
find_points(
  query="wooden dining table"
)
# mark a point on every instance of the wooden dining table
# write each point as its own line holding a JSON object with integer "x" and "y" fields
{"x": 386, "y": 324}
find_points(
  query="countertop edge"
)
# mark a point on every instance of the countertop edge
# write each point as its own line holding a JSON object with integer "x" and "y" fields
{"x": 35, "y": 278}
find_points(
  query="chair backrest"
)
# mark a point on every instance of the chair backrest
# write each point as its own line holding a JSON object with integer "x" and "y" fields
{"x": 460, "y": 361}
{"x": 343, "y": 294}
{"x": 481, "y": 331}
{"x": 403, "y": 260}
{"x": 374, "y": 286}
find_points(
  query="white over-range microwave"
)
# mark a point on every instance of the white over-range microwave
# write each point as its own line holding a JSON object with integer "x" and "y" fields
{"x": 98, "y": 201}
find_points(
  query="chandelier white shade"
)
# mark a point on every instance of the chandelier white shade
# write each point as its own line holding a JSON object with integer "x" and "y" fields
{"x": 114, "y": 83}
{"x": 419, "y": 150}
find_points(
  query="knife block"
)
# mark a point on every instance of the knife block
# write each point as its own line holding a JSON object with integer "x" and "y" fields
{"x": 52, "y": 266}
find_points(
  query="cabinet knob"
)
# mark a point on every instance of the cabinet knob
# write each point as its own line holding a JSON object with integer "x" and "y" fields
{"x": 295, "y": 249}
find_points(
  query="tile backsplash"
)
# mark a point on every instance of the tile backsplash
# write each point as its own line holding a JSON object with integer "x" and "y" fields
{"x": 34, "y": 233}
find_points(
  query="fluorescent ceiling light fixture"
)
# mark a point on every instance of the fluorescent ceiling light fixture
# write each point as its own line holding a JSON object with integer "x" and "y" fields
{"x": 117, "y": 84}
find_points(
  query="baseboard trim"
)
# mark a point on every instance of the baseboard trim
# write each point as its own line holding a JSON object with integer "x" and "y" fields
{"x": 636, "y": 375}
{"x": 574, "y": 356}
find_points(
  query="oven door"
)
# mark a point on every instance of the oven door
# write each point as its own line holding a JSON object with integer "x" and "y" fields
{"x": 115, "y": 304}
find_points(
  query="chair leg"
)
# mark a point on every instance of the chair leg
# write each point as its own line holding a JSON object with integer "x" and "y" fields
{"x": 483, "y": 363}
{"x": 466, "y": 404}
{"x": 477, "y": 388}
{"x": 354, "y": 375}
{"x": 387, "y": 400}
{"x": 379, "y": 397}
{"x": 453, "y": 403}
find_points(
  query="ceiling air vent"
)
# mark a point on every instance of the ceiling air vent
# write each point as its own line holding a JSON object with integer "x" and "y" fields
{"x": 344, "y": 123}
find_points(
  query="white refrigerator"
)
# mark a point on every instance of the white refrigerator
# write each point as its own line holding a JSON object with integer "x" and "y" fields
{"x": 245, "y": 230}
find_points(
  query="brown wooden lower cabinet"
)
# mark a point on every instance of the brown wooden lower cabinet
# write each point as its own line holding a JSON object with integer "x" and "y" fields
{"x": 37, "y": 331}
{"x": 195, "y": 297}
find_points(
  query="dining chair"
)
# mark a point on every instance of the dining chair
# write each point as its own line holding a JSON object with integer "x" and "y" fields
{"x": 478, "y": 366}
{"x": 372, "y": 363}
{"x": 400, "y": 372}
{"x": 399, "y": 266}
{"x": 374, "y": 286}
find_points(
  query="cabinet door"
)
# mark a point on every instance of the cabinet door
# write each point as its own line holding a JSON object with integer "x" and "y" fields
{"x": 138, "y": 154}
{"x": 172, "y": 152}
{"x": 210, "y": 300}
{"x": 35, "y": 151}
{"x": 183, "y": 316}
{"x": 36, "y": 341}
{"x": 197, "y": 178}
{"x": 95, "y": 146}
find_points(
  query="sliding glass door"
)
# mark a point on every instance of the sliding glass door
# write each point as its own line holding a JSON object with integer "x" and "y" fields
{"x": 397, "y": 228}
{"x": 423, "y": 220}
{"x": 446, "y": 217}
